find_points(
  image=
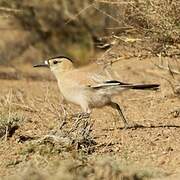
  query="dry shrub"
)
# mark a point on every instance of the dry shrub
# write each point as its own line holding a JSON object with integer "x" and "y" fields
{"x": 9, "y": 123}
{"x": 97, "y": 169}
{"x": 71, "y": 27}
{"x": 159, "y": 19}
{"x": 10, "y": 119}
{"x": 77, "y": 137}
{"x": 46, "y": 21}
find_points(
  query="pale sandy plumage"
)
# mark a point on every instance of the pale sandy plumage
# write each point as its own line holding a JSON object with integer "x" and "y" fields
{"x": 89, "y": 87}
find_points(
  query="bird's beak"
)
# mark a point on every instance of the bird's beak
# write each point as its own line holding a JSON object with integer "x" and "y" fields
{"x": 45, "y": 64}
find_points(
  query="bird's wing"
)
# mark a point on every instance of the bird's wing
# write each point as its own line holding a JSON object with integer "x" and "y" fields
{"x": 91, "y": 75}
{"x": 110, "y": 83}
{"x": 118, "y": 84}
{"x": 104, "y": 73}
{"x": 100, "y": 78}
{"x": 110, "y": 87}
{"x": 99, "y": 74}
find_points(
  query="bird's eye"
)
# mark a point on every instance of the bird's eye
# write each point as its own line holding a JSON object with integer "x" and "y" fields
{"x": 55, "y": 62}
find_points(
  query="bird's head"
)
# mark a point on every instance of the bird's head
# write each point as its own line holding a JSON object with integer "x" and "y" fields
{"x": 57, "y": 64}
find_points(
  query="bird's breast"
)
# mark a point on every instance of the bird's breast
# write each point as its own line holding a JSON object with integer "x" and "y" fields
{"x": 72, "y": 92}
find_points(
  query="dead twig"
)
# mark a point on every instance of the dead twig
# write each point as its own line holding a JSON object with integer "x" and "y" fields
{"x": 5, "y": 9}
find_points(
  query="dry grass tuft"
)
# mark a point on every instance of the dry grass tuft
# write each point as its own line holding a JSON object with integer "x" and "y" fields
{"x": 66, "y": 139}
{"x": 157, "y": 20}
{"x": 9, "y": 124}
{"x": 100, "y": 168}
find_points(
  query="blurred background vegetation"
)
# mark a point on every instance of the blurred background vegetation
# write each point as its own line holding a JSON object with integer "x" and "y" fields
{"x": 36, "y": 29}
{"x": 113, "y": 30}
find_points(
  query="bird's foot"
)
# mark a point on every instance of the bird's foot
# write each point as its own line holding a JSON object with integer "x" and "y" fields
{"x": 127, "y": 126}
{"x": 132, "y": 125}
{"x": 136, "y": 125}
{"x": 81, "y": 115}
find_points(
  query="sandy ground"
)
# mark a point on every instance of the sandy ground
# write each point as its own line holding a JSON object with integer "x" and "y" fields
{"x": 155, "y": 144}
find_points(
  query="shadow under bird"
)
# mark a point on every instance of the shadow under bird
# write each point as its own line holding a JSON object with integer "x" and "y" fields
{"x": 89, "y": 86}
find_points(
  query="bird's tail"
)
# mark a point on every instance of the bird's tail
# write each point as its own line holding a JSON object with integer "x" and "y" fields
{"x": 141, "y": 86}
{"x": 116, "y": 85}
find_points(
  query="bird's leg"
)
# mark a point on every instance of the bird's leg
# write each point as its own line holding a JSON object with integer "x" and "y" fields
{"x": 64, "y": 117}
{"x": 86, "y": 111}
{"x": 117, "y": 107}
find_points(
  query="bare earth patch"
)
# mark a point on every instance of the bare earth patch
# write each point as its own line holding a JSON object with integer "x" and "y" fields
{"x": 44, "y": 147}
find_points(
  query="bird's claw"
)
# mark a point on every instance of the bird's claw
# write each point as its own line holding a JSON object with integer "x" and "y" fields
{"x": 82, "y": 115}
{"x": 127, "y": 126}
{"x": 132, "y": 126}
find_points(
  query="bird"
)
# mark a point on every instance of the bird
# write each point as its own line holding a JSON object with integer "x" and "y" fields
{"x": 90, "y": 86}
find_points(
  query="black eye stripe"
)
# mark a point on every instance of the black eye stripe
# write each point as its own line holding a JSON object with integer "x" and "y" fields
{"x": 60, "y": 57}
{"x": 55, "y": 62}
